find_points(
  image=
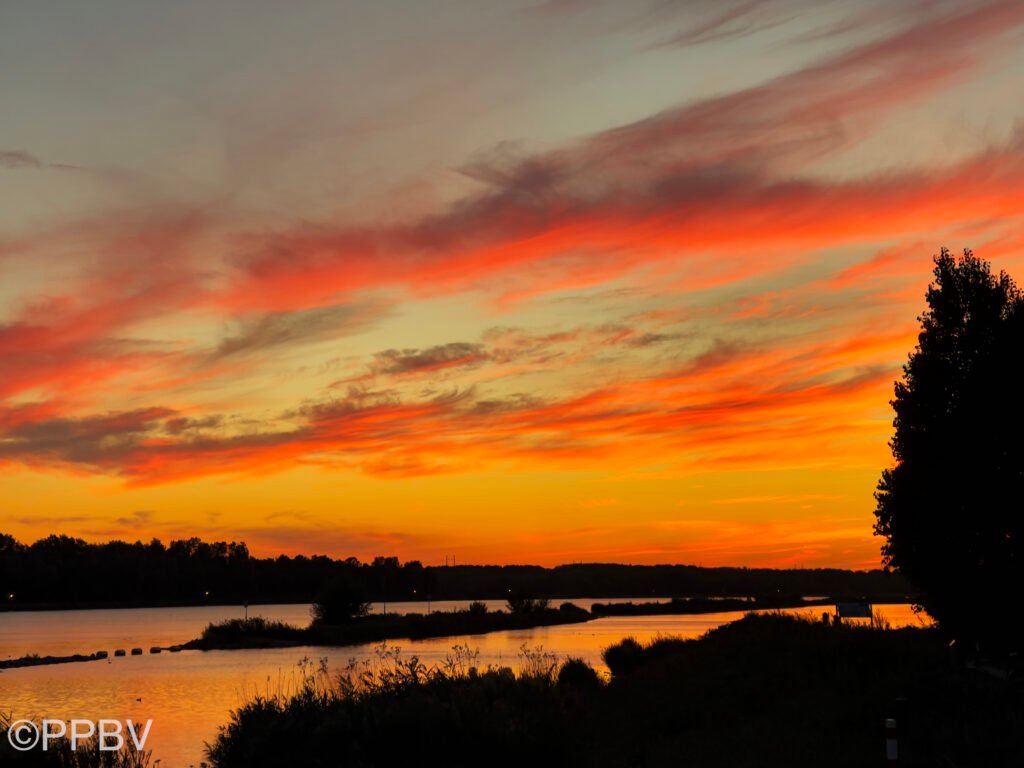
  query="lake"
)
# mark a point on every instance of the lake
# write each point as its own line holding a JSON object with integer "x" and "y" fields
{"x": 189, "y": 694}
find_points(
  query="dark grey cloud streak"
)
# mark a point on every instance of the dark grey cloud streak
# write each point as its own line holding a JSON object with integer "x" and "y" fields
{"x": 13, "y": 159}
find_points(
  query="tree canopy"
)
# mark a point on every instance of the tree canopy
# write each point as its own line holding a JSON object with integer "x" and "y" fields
{"x": 950, "y": 508}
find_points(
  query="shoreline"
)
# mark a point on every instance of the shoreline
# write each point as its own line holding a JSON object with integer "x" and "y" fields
{"x": 387, "y": 627}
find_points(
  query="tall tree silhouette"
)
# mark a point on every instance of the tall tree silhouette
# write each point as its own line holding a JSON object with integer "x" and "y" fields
{"x": 952, "y": 506}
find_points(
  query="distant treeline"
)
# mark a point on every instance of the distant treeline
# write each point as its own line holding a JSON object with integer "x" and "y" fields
{"x": 64, "y": 571}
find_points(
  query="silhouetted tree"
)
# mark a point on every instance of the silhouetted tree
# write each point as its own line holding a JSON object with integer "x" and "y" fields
{"x": 951, "y": 507}
{"x": 340, "y": 600}
{"x": 520, "y": 604}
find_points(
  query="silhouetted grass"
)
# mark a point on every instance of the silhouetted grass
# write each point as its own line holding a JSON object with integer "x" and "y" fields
{"x": 394, "y": 710}
{"x": 769, "y": 690}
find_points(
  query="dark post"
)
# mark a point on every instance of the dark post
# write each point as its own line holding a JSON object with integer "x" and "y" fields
{"x": 892, "y": 751}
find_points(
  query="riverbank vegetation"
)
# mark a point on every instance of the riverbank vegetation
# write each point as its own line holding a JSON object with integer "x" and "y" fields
{"x": 766, "y": 690}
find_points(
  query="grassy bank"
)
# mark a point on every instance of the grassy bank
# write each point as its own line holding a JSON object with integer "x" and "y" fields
{"x": 768, "y": 690}
{"x": 261, "y": 633}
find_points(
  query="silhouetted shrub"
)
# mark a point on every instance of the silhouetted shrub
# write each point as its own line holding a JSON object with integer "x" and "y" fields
{"x": 520, "y": 604}
{"x": 624, "y": 657}
{"x": 240, "y": 631}
{"x": 477, "y": 608}
{"x": 576, "y": 673}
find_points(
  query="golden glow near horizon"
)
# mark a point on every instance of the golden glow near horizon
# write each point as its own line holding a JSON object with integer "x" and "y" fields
{"x": 514, "y": 282}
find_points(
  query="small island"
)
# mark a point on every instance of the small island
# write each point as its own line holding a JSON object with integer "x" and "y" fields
{"x": 348, "y": 627}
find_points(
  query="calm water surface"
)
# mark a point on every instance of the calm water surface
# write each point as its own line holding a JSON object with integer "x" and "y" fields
{"x": 189, "y": 694}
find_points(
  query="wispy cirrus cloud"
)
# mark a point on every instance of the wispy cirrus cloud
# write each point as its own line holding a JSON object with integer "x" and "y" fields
{"x": 736, "y": 21}
{"x": 458, "y": 354}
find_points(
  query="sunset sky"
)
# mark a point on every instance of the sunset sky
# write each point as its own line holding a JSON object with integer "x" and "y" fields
{"x": 506, "y": 281}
